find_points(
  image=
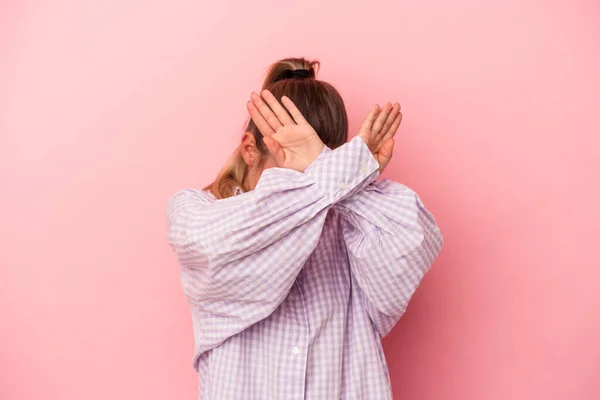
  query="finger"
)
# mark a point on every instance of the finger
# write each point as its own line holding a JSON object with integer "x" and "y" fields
{"x": 266, "y": 112}
{"x": 394, "y": 127}
{"x": 275, "y": 150}
{"x": 279, "y": 111}
{"x": 390, "y": 119}
{"x": 379, "y": 121}
{"x": 261, "y": 124}
{"x": 291, "y": 107}
{"x": 368, "y": 122}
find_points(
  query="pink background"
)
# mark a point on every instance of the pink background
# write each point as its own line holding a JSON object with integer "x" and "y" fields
{"x": 107, "y": 108}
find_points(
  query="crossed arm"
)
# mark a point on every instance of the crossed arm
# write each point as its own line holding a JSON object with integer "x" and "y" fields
{"x": 241, "y": 255}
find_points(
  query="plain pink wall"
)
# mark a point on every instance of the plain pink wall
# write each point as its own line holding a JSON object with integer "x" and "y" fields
{"x": 107, "y": 108}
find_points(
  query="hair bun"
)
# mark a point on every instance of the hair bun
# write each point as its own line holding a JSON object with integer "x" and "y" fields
{"x": 291, "y": 68}
{"x": 300, "y": 73}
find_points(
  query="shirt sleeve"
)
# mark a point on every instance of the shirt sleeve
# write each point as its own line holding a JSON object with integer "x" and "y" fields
{"x": 239, "y": 256}
{"x": 392, "y": 240}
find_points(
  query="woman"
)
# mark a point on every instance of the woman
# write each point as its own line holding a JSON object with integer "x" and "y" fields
{"x": 295, "y": 260}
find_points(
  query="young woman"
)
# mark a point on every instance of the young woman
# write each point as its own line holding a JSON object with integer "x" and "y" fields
{"x": 296, "y": 261}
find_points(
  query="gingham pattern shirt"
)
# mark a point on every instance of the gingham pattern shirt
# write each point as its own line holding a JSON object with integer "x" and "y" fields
{"x": 293, "y": 284}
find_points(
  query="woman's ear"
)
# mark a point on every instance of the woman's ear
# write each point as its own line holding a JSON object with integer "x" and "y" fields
{"x": 249, "y": 150}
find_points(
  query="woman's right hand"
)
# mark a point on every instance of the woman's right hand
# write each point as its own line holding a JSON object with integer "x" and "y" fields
{"x": 292, "y": 141}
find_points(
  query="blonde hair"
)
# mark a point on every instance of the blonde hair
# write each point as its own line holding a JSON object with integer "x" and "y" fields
{"x": 319, "y": 102}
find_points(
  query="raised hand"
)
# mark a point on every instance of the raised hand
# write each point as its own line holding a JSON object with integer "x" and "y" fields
{"x": 378, "y": 132}
{"x": 291, "y": 140}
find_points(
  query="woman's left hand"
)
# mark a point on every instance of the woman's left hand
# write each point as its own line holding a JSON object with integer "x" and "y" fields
{"x": 378, "y": 132}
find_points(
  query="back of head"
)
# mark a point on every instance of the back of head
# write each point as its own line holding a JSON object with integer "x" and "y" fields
{"x": 318, "y": 101}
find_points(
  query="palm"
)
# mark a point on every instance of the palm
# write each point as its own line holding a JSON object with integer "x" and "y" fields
{"x": 378, "y": 131}
{"x": 292, "y": 141}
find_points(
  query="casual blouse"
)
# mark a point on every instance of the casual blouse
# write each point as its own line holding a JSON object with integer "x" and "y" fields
{"x": 292, "y": 285}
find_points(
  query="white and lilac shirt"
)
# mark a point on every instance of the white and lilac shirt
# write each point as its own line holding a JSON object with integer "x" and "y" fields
{"x": 293, "y": 284}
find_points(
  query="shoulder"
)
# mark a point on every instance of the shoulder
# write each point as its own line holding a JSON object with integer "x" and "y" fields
{"x": 187, "y": 197}
{"x": 196, "y": 194}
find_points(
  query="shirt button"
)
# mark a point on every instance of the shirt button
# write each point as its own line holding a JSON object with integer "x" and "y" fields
{"x": 342, "y": 185}
{"x": 363, "y": 168}
{"x": 291, "y": 296}
{"x": 295, "y": 350}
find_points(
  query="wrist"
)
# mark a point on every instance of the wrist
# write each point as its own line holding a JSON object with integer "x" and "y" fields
{"x": 320, "y": 156}
{"x": 317, "y": 150}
